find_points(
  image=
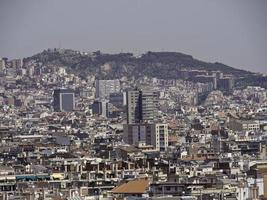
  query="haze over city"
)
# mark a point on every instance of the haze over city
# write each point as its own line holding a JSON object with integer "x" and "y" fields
{"x": 133, "y": 100}
{"x": 230, "y": 32}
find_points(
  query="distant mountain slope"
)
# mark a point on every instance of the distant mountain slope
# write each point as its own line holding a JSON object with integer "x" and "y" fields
{"x": 166, "y": 65}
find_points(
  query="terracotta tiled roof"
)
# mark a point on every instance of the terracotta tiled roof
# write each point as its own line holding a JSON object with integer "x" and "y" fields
{"x": 138, "y": 186}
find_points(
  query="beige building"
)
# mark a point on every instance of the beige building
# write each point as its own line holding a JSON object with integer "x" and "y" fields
{"x": 155, "y": 134}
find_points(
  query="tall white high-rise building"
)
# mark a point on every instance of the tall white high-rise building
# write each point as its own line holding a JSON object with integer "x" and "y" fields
{"x": 160, "y": 136}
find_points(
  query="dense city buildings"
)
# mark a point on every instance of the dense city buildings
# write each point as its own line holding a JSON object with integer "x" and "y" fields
{"x": 67, "y": 136}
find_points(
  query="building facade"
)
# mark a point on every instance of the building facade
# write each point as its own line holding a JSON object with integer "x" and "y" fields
{"x": 141, "y": 106}
{"x": 155, "y": 134}
{"x": 64, "y": 100}
{"x": 226, "y": 83}
{"x": 100, "y": 108}
{"x": 105, "y": 87}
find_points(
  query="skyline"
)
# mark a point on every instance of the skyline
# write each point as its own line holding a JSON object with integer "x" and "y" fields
{"x": 133, "y": 99}
{"x": 230, "y": 32}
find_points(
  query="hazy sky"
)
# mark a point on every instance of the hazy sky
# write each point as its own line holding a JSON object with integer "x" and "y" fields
{"x": 233, "y": 32}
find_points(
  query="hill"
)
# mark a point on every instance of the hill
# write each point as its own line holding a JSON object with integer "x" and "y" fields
{"x": 165, "y": 65}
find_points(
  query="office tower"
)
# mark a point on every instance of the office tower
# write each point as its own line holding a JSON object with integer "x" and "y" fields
{"x": 155, "y": 134}
{"x": 133, "y": 101}
{"x": 105, "y": 87}
{"x": 141, "y": 106}
{"x": 226, "y": 84}
{"x": 100, "y": 108}
{"x": 64, "y": 100}
{"x": 149, "y": 102}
